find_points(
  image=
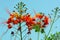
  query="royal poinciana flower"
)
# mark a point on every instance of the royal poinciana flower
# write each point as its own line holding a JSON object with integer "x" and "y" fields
{"x": 14, "y": 19}
{"x": 29, "y": 21}
{"x": 39, "y": 19}
{"x": 38, "y": 15}
{"x": 46, "y": 20}
{"x": 42, "y": 20}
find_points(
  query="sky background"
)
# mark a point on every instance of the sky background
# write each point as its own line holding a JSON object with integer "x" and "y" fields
{"x": 44, "y": 6}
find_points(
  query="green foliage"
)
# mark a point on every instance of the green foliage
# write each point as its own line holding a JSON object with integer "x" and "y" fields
{"x": 55, "y": 36}
{"x": 38, "y": 29}
{"x": 42, "y": 31}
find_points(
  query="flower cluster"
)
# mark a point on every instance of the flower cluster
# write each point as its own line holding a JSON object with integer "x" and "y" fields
{"x": 42, "y": 20}
{"x": 38, "y": 19}
{"x": 14, "y": 18}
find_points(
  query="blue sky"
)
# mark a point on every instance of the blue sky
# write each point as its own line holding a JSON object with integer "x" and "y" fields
{"x": 44, "y": 6}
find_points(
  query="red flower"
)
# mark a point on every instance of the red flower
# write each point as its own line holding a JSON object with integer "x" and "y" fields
{"x": 9, "y": 26}
{"x": 9, "y": 20}
{"x": 29, "y": 21}
{"x": 39, "y": 16}
{"x": 16, "y": 21}
{"x": 46, "y": 20}
{"x": 11, "y": 16}
{"x": 39, "y": 23}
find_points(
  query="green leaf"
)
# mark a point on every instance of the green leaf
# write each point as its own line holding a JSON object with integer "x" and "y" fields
{"x": 37, "y": 28}
{"x": 55, "y": 36}
{"x": 42, "y": 31}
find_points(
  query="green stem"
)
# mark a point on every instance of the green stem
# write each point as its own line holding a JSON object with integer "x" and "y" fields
{"x": 20, "y": 23}
{"x": 20, "y": 31}
{"x": 51, "y": 25}
{"x": 38, "y": 35}
{"x": 21, "y": 34}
